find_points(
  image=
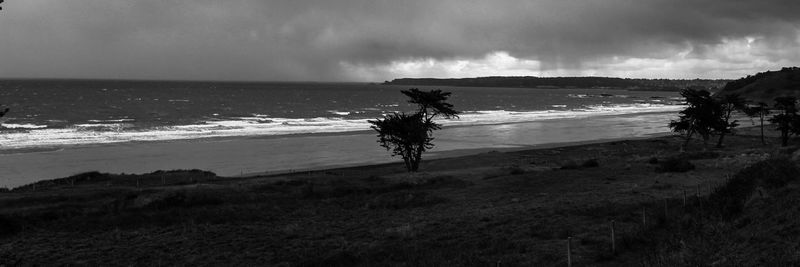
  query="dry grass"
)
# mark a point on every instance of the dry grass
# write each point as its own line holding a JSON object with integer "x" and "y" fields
{"x": 448, "y": 215}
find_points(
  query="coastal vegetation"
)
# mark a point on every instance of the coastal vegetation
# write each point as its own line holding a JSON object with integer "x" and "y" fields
{"x": 409, "y": 135}
{"x": 787, "y": 120}
{"x": 701, "y": 116}
{"x": 760, "y": 110}
{"x": 710, "y": 114}
{"x": 728, "y": 104}
{"x": 3, "y": 112}
{"x": 765, "y": 86}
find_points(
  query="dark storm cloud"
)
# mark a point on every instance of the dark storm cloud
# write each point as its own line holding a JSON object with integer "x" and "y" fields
{"x": 310, "y": 40}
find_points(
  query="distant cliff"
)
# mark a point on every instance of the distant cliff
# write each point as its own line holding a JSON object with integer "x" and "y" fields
{"x": 765, "y": 86}
{"x": 565, "y": 82}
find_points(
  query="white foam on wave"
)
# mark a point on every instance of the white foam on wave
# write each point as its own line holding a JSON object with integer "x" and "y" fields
{"x": 23, "y": 126}
{"x": 263, "y": 125}
{"x": 112, "y": 120}
{"x": 340, "y": 113}
{"x": 503, "y": 116}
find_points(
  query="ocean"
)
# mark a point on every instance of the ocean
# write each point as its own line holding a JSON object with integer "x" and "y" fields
{"x": 51, "y": 119}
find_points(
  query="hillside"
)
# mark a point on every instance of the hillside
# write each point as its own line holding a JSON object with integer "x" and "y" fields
{"x": 565, "y": 82}
{"x": 765, "y": 86}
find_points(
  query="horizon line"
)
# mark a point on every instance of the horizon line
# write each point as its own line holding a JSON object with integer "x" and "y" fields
{"x": 361, "y": 82}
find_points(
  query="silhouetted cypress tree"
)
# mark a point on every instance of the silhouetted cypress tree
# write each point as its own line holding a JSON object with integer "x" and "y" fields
{"x": 727, "y": 105}
{"x": 760, "y": 110}
{"x": 700, "y": 117}
{"x": 787, "y": 120}
{"x": 408, "y": 135}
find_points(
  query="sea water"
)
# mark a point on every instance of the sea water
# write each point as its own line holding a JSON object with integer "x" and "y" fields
{"x": 82, "y": 125}
{"x": 56, "y": 113}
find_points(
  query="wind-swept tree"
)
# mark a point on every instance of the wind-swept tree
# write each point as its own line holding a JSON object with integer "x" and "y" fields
{"x": 760, "y": 110}
{"x": 431, "y": 103}
{"x": 727, "y": 104}
{"x": 701, "y": 116}
{"x": 408, "y": 135}
{"x": 405, "y": 135}
{"x": 787, "y": 120}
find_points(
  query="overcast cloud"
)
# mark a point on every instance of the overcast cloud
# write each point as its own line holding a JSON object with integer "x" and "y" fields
{"x": 376, "y": 40}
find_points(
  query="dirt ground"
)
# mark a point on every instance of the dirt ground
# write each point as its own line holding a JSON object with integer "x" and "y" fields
{"x": 496, "y": 208}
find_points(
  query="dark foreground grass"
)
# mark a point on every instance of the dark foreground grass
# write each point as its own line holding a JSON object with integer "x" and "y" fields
{"x": 751, "y": 220}
{"x": 507, "y": 209}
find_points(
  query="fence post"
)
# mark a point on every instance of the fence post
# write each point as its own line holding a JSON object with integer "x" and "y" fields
{"x": 644, "y": 217}
{"x": 684, "y": 197}
{"x": 569, "y": 251}
{"x": 613, "y": 239}
{"x": 698, "y": 191}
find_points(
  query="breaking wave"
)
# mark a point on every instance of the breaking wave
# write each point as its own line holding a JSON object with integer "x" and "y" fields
{"x": 122, "y": 130}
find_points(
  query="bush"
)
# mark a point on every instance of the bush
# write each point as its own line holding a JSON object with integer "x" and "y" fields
{"x": 8, "y": 227}
{"x": 592, "y": 163}
{"x": 652, "y": 160}
{"x": 675, "y": 164}
{"x": 516, "y": 170}
{"x": 570, "y": 165}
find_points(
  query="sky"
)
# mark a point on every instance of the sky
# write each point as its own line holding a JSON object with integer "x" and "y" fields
{"x": 377, "y": 40}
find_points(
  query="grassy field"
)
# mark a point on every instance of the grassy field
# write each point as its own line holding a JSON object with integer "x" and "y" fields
{"x": 496, "y": 208}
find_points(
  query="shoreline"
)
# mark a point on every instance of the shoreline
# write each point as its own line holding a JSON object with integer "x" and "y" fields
{"x": 45, "y": 149}
{"x": 235, "y": 157}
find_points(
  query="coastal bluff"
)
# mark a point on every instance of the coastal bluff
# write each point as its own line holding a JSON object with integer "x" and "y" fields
{"x": 766, "y": 86}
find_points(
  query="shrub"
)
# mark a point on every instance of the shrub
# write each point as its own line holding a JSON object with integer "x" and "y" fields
{"x": 592, "y": 163}
{"x": 675, "y": 164}
{"x": 653, "y": 160}
{"x": 516, "y": 170}
{"x": 8, "y": 227}
{"x": 570, "y": 165}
